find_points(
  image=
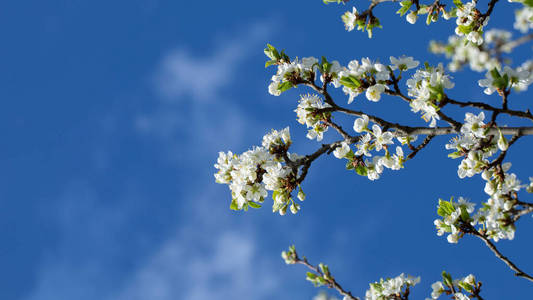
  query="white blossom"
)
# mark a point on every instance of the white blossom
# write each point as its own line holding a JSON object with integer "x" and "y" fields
{"x": 384, "y": 289}
{"x": 520, "y": 79}
{"x": 342, "y": 150}
{"x": 349, "y": 19}
{"x": 361, "y": 124}
{"x": 438, "y": 289}
{"x": 308, "y": 105}
{"x": 403, "y": 63}
{"x": 411, "y": 17}
{"x": 373, "y": 93}
{"x": 523, "y": 19}
{"x": 381, "y": 138}
{"x": 305, "y": 68}
{"x": 425, "y": 86}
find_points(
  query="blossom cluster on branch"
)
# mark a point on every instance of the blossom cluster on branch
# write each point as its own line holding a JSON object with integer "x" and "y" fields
{"x": 481, "y": 141}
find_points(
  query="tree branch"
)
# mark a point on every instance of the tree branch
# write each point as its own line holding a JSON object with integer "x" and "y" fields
{"x": 332, "y": 283}
{"x": 513, "y": 44}
{"x": 420, "y": 147}
{"x": 499, "y": 255}
{"x": 527, "y": 114}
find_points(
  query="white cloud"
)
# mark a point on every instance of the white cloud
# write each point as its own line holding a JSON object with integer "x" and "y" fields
{"x": 210, "y": 258}
{"x": 192, "y": 115}
{"x": 77, "y": 267}
{"x": 183, "y": 76}
{"x": 229, "y": 269}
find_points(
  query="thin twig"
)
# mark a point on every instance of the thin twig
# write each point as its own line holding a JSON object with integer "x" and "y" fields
{"x": 512, "y": 44}
{"x": 332, "y": 282}
{"x": 420, "y": 147}
{"x": 522, "y": 114}
{"x": 503, "y": 258}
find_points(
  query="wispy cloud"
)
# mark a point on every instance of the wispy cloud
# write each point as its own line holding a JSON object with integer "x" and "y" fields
{"x": 210, "y": 258}
{"x": 179, "y": 270}
{"x": 182, "y": 76}
{"x": 207, "y": 256}
{"x": 78, "y": 266}
{"x": 192, "y": 112}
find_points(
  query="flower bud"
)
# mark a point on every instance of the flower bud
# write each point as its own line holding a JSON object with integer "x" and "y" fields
{"x": 502, "y": 143}
{"x": 411, "y": 17}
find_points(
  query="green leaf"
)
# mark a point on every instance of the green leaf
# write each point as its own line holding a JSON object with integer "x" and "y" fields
{"x": 324, "y": 66}
{"x": 455, "y": 155}
{"x": 350, "y": 82}
{"x": 465, "y": 216}
{"x": 271, "y": 52}
{"x": 424, "y": 9}
{"x": 234, "y": 205}
{"x": 254, "y": 204}
{"x": 445, "y": 208}
{"x": 466, "y": 286}
{"x": 495, "y": 74}
{"x": 285, "y": 86}
{"x": 402, "y": 11}
{"x": 350, "y": 155}
{"x": 361, "y": 170}
{"x": 441, "y": 212}
{"x": 458, "y": 3}
{"x": 464, "y": 29}
{"x": 270, "y": 63}
{"x": 349, "y": 165}
{"x": 447, "y": 279}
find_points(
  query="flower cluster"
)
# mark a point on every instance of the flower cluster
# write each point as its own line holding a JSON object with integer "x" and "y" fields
{"x": 456, "y": 287}
{"x": 391, "y": 288}
{"x": 255, "y": 172}
{"x": 501, "y": 80}
{"x": 365, "y": 21}
{"x": 374, "y": 139}
{"x": 496, "y": 214}
{"x": 498, "y": 37}
{"x": 308, "y": 114}
{"x": 454, "y": 216}
{"x": 366, "y": 75}
{"x": 461, "y": 53}
{"x": 475, "y": 145}
{"x": 432, "y": 11}
{"x": 289, "y": 74}
{"x": 470, "y": 23}
{"x": 523, "y": 19}
{"x": 427, "y": 88}
{"x": 290, "y": 257}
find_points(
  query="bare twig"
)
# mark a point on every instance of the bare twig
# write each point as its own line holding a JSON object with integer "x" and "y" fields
{"x": 515, "y": 43}
{"x": 332, "y": 283}
{"x": 499, "y": 255}
{"x": 420, "y": 147}
{"x": 522, "y": 114}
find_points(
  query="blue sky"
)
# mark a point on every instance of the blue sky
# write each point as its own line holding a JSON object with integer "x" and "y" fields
{"x": 113, "y": 115}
